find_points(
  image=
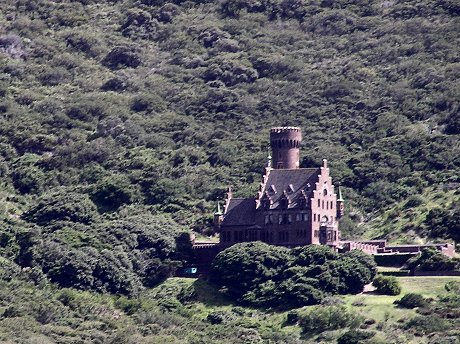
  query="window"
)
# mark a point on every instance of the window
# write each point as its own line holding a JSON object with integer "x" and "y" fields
{"x": 316, "y": 234}
{"x": 314, "y": 217}
{"x": 266, "y": 204}
{"x": 322, "y": 205}
{"x": 284, "y": 219}
{"x": 332, "y": 205}
{"x": 298, "y": 217}
{"x": 284, "y": 203}
{"x": 319, "y": 203}
{"x": 305, "y": 217}
{"x": 325, "y": 192}
{"x": 269, "y": 219}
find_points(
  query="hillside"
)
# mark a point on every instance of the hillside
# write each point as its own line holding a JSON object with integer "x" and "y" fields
{"x": 122, "y": 123}
{"x": 165, "y": 104}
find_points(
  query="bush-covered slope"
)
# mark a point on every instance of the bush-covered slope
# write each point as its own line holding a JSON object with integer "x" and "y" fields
{"x": 150, "y": 106}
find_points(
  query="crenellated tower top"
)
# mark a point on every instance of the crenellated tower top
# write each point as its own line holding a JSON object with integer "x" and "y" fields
{"x": 285, "y": 144}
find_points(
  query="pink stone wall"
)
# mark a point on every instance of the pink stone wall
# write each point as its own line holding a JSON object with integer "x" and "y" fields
{"x": 323, "y": 203}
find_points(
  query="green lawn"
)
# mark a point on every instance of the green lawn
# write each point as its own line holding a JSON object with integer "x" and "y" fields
{"x": 381, "y": 307}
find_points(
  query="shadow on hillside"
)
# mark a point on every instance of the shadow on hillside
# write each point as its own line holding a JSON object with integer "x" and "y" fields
{"x": 208, "y": 294}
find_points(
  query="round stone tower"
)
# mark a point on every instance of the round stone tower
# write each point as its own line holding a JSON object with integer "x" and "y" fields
{"x": 285, "y": 143}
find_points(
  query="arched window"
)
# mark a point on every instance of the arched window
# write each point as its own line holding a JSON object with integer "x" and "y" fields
{"x": 325, "y": 192}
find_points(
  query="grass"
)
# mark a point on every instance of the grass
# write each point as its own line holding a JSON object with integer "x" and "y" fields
{"x": 381, "y": 307}
{"x": 388, "y": 269}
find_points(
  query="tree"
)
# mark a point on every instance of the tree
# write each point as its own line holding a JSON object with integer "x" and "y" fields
{"x": 386, "y": 285}
{"x": 244, "y": 267}
{"x": 112, "y": 192}
{"x": 61, "y": 205}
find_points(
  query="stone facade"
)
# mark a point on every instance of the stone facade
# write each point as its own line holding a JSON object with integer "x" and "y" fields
{"x": 294, "y": 206}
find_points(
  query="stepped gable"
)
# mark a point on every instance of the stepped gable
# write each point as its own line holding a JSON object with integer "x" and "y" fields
{"x": 240, "y": 212}
{"x": 289, "y": 182}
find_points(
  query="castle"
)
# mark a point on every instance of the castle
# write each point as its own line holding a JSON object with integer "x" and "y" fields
{"x": 294, "y": 206}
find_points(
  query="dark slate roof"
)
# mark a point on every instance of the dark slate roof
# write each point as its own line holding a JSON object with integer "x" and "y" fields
{"x": 293, "y": 181}
{"x": 240, "y": 212}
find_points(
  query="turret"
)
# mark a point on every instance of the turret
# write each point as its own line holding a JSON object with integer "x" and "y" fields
{"x": 218, "y": 216}
{"x": 285, "y": 143}
{"x": 340, "y": 204}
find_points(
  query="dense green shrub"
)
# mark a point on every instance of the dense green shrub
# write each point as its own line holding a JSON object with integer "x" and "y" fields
{"x": 264, "y": 275}
{"x": 246, "y": 267}
{"x": 62, "y": 205}
{"x": 411, "y": 300}
{"x": 427, "y": 324}
{"x": 386, "y": 285}
{"x": 326, "y": 318}
{"x": 453, "y": 287}
{"x": 112, "y": 192}
{"x": 354, "y": 337}
{"x": 432, "y": 260}
{"x": 444, "y": 223}
{"x": 122, "y": 56}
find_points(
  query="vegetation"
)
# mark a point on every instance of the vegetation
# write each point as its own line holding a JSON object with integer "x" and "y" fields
{"x": 264, "y": 275}
{"x": 433, "y": 260}
{"x": 386, "y": 285}
{"x": 148, "y": 102}
{"x": 179, "y": 310}
{"x": 412, "y": 300}
{"x": 122, "y": 122}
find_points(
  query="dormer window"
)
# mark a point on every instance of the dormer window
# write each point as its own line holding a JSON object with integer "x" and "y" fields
{"x": 266, "y": 204}
{"x": 302, "y": 203}
{"x": 290, "y": 188}
{"x": 272, "y": 189}
{"x": 284, "y": 203}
